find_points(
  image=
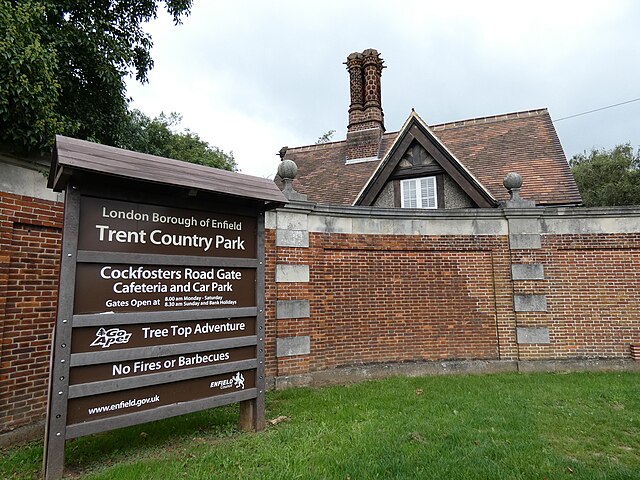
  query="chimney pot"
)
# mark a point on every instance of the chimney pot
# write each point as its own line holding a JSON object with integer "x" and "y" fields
{"x": 365, "y": 72}
{"x": 366, "y": 119}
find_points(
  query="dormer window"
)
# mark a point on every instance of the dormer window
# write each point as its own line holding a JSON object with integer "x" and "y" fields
{"x": 419, "y": 193}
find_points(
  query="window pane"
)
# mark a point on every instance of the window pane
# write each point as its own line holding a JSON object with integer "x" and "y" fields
{"x": 428, "y": 192}
{"x": 409, "y": 198}
{"x": 419, "y": 193}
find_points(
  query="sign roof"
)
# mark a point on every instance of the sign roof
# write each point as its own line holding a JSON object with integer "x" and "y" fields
{"x": 72, "y": 156}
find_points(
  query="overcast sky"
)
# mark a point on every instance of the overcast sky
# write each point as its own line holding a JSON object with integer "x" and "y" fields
{"x": 253, "y": 76}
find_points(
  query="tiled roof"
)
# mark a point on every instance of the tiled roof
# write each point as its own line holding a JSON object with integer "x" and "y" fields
{"x": 490, "y": 147}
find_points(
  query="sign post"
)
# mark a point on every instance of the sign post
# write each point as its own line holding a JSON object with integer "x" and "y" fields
{"x": 161, "y": 300}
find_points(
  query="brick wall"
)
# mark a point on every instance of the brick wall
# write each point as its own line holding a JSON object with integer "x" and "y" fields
{"x": 593, "y": 295}
{"x": 30, "y": 242}
{"x": 372, "y": 296}
{"x": 360, "y": 287}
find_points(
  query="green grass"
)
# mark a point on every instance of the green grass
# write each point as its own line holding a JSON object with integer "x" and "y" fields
{"x": 535, "y": 426}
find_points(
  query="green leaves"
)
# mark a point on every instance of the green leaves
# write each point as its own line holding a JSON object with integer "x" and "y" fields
{"x": 63, "y": 65}
{"x": 29, "y": 89}
{"x": 158, "y": 136}
{"x": 608, "y": 177}
{"x": 325, "y": 137}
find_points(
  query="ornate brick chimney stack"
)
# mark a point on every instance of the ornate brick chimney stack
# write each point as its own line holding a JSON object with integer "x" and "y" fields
{"x": 366, "y": 120}
{"x": 356, "y": 89}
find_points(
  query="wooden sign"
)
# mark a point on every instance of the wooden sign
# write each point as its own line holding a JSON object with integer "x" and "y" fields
{"x": 161, "y": 300}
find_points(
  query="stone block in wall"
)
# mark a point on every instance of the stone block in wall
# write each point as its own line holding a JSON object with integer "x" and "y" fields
{"x": 27, "y": 181}
{"x": 292, "y": 221}
{"x": 292, "y": 273}
{"x": 533, "y": 271}
{"x": 292, "y": 309}
{"x": 524, "y": 241}
{"x": 457, "y": 226}
{"x": 599, "y": 222}
{"x": 330, "y": 224}
{"x": 270, "y": 219}
{"x": 524, "y": 225}
{"x": 530, "y": 335}
{"x": 292, "y": 238}
{"x": 384, "y": 226}
{"x": 291, "y": 346}
{"x": 530, "y": 303}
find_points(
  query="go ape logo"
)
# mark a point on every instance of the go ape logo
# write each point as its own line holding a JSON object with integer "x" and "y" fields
{"x": 106, "y": 338}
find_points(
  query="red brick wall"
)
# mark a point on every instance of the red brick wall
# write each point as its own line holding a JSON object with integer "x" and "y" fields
{"x": 593, "y": 296}
{"x": 397, "y": 298}
{"x": 400, "y": 299}
{"x": 30, "y": 242}
{"x": 384, "y": 298}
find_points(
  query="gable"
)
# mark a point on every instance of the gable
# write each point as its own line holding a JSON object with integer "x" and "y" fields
{"x": 416, "y": 153}
{"x": 325, "y": 175}
{"x": 416, "y": 163}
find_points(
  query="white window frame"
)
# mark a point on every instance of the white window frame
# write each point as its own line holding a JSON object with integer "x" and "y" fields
{"x": 416, "y": 184}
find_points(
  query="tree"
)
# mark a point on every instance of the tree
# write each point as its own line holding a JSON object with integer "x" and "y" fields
{"x": 608, "y": 177}
{"x": 158, "y": 137}
{"x": 29, "y": 89}
{"x": 325, "y": 137}
{"x": 63, "y": 66}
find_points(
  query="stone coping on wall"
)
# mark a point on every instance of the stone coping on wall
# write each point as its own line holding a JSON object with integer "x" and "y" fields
{"x": 26, "y": 177}
{"x": 349, "y": 210}
{"x": 546, "y": 220}
{"x": 300, "y": 218}
{"x": 294, "y": 223}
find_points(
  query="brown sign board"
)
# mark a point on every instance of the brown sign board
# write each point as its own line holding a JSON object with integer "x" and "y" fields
{"x": 114, "y": 226}
{"x": 104, "y": 288}
{"x": 171, "y": 255}
{"x": 136, "y": 400}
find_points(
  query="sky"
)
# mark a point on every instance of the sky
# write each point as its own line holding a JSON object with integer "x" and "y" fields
{"x": 251, "y": 76}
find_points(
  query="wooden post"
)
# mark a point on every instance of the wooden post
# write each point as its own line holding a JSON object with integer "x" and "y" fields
{"x": 247, "y": 421}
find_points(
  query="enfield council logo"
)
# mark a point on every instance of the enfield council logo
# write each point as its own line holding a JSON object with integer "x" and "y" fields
{"x": 237, "y": 381}
{"x": 106, "y": 338}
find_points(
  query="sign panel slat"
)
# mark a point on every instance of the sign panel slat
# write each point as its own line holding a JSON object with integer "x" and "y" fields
{"x": 113, "y": 288}
{"x": 88, "y": 428}
{"x": 119, "y": 337}
{"x": 172, "y": 372}
{"x": 112, "y": 404}
{"x": 115, "y": 226}
{"x": 94, "y": 358}
{"x": 92, "y": 319}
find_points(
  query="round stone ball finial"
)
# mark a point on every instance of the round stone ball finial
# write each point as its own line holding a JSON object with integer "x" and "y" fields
{"x": 513, "y": 181}
{"x": 287, "y": 169}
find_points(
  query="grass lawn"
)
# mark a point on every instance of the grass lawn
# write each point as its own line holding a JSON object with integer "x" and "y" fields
{"x": 527, "y": 426}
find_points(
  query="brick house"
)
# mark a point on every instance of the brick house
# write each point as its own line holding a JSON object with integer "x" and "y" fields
{"x": 453, "y": 165}
{"x": 412, "y": 252}
{"x": 353, "y": 289}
